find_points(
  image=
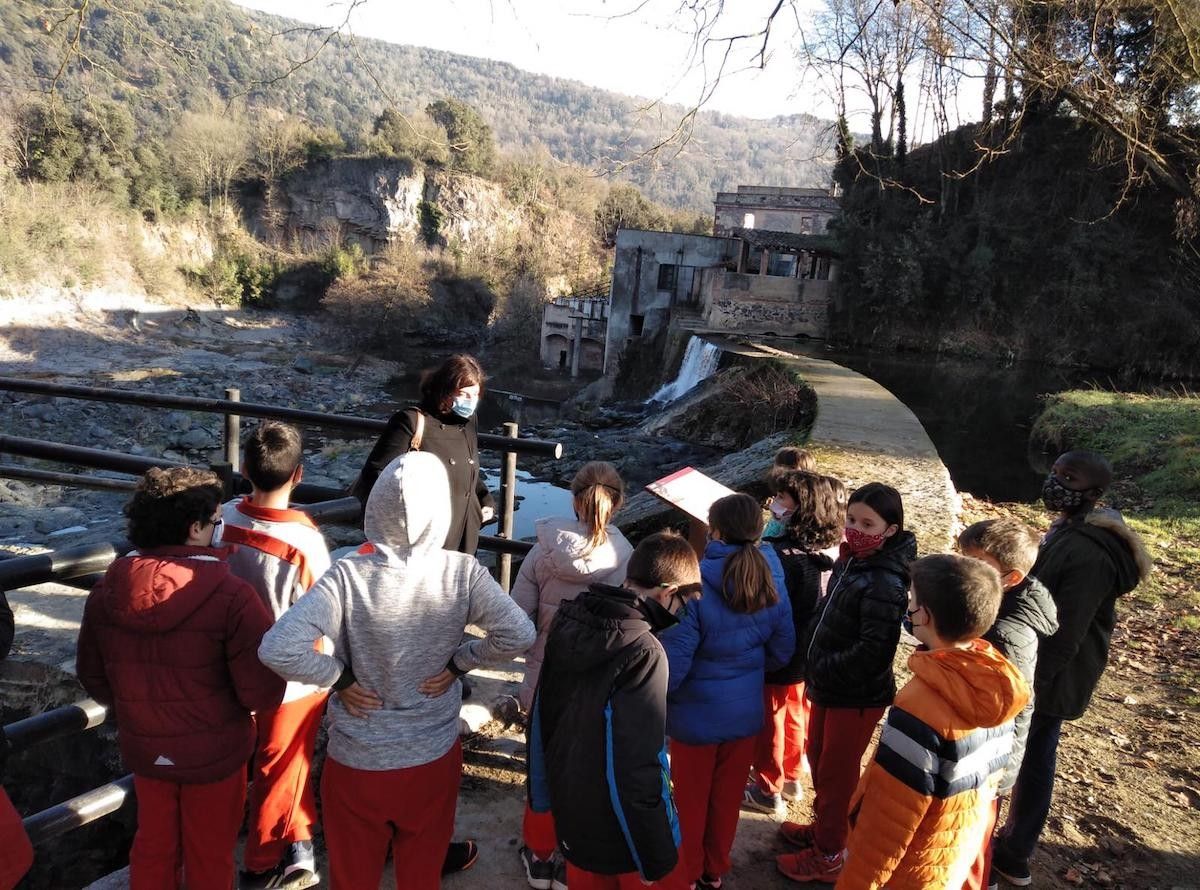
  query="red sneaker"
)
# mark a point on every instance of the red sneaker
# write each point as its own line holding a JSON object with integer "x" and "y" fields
{"x": 798, "y": 835}
{"x": 811, "y": 866}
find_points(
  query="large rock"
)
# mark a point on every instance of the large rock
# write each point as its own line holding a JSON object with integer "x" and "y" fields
{"x": 375, "y": 201}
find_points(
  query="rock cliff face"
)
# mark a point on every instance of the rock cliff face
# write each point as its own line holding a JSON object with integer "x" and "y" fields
{"x": 378, "y": 201}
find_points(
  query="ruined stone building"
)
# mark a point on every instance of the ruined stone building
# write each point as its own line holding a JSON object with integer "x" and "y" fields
{"x": 768, "y": 270}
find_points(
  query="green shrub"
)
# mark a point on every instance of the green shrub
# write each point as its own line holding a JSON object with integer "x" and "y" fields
{"x": 343, "y": 261}
{"x": 431, "y": 218}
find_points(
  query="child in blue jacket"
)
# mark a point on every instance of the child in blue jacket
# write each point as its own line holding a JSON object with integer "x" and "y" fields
{"x": 738, "y": 629}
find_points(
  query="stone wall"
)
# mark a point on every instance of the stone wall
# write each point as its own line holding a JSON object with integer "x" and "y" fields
{"x": 636, "y": 298}
{"x": 762, "y": 304}
{"x": 806, "y": 211}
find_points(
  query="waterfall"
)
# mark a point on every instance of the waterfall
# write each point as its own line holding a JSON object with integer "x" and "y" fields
{"x": 700, "y": 360}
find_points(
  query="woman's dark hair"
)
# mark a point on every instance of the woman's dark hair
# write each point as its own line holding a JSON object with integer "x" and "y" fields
{"x": 441, "y": 384}
{"x": 166, "y": 503}
{"x": 820, "y": 514}
{"x": 884, "y": 500}
{"x": 746, "y": 580}
{"x": 792, "y": 457}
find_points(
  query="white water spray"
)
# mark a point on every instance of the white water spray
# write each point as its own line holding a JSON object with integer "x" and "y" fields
{"x": 700, "y": 360}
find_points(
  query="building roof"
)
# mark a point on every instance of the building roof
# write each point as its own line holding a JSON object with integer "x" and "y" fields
{"x": 788, "y": 242}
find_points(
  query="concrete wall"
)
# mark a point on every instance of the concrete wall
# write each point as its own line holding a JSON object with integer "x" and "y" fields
{"x": 802, "y": 211}
{"x": 635, "y": 294}
{"x": 559, "y": 319}
{"x": 765, "y": 303}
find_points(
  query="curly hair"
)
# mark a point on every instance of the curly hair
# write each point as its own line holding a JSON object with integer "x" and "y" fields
{"x": 820, "y": 513}
{"x": 166, "y": 503}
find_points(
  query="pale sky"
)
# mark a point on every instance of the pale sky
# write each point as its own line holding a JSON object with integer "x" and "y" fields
{"x": 636, "y": 47}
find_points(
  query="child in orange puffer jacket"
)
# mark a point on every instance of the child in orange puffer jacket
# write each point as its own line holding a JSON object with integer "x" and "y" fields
{"x": 922, "y": 806}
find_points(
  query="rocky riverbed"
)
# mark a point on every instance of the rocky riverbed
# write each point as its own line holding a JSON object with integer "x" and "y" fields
{"x": 272, "y": 358}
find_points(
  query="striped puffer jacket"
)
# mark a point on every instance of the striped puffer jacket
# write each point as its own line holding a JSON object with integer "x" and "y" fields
{"x": 922, "y": 807}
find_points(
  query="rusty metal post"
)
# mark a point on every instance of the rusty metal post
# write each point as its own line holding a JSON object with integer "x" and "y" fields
{"x": 508, "y": 494}
{"x": 233, "y": 433}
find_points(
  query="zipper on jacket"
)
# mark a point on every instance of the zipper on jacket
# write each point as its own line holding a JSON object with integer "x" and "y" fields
{"x": 828, "y": 601}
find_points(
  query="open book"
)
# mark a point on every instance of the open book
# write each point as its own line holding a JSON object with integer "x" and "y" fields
{"x": 691, "y": 491}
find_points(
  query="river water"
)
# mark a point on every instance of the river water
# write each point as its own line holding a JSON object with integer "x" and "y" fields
{"x": 978, "y": 414}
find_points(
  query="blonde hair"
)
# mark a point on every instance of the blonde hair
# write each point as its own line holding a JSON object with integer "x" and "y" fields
{"x": 599, "y": 492}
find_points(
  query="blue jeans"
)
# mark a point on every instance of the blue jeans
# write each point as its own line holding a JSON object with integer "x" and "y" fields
{"x": 1034, "y": 789}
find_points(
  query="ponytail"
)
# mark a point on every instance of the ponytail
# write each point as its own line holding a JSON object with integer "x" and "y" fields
{"x": 599, "y": 492}
{"x": 746, "y": 581}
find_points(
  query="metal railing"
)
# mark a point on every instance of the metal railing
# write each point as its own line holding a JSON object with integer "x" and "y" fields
{"x": 236, "y": 409}
{"x": 233, "y": 409}
{"x": 86, "y": 808}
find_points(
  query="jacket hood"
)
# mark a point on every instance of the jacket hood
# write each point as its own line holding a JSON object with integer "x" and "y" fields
{"x": 594, "y": 626}
{"x": 979, "y": 684}
{"x": 566, "y": 543}
{"x": 1030, "y": 603}
{"x": 409, "y": 507}
{"x": 1129, "y": 554}
{"x": 156, "y": 590}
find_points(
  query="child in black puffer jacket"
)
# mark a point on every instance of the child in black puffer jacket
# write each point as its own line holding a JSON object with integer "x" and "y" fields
{"x": 812, "y": 509}
{"x": 850, "y": 647}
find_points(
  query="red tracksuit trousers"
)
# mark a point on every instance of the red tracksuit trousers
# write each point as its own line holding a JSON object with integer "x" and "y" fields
{"x": 16, "y": 853}
{"x": 837, "y": 740}
{"x": 283, "y": 804}
{"x": 709, "y": 782}
{"x": 186, "y": 833}
{"x": 537, "y": 832}
{"x": 411, "y": 810}
{"x": 779, "y": 754}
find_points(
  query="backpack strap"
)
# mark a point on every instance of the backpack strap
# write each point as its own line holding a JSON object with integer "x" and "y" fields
{"x": 419, "y": 434}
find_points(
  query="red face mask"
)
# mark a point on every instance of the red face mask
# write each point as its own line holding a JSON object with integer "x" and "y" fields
{"x": 860, "y": 542}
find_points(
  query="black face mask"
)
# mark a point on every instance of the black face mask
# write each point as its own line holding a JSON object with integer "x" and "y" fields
{"x": 1058, "y": 497}
{"x": 658, "y": 615}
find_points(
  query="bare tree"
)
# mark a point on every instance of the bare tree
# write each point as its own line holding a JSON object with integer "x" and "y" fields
{"x": 212, "y": 149}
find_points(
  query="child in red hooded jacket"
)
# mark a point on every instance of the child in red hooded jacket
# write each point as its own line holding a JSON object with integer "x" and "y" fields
{"x": 170, "y": 639}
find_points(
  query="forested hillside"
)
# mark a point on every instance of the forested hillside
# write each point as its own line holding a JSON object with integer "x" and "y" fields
{"x": 1041, "y": 255}
{"x": 159, "y": 58}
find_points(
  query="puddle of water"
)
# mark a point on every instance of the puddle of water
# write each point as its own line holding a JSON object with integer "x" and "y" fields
{"x": 536, "y": 500}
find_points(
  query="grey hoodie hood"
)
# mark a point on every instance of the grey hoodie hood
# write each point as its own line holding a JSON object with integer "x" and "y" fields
{"x": 408, "y": 511}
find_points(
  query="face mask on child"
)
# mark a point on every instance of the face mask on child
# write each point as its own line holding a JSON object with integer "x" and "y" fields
{"x": 860, "y": 542}
{"x": 464, "y": 406}
{"x": 779, "y": 511}
{"x": 1058, "y": 497}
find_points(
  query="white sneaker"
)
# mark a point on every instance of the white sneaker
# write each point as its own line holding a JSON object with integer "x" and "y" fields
{"x": 793, "y": 790}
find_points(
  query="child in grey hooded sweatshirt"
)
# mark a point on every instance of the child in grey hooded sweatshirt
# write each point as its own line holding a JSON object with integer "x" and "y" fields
{"x": 396, "y": 611}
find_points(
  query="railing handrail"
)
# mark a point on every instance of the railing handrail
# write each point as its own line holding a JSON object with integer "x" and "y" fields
{"x": 371, "y": 425}
{"x": 62, "y": 721}
{"x": 135, "y": 464}
{"x": 79, "y": 811}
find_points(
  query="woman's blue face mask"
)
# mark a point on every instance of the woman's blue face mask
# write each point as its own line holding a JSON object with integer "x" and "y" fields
{"x": 464, "y": 406}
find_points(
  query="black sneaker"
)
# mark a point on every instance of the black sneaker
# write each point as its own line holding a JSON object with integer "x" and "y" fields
{"x": 539, "y": 873}
{"x": 1013, "y": 870}
{"x": 300, "y": 866}
{"x": 560, "y": 874}
{"x": 460, "y": 856}
{"x": 271, "y": 879}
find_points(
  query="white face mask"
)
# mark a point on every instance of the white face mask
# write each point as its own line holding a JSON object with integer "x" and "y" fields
{"x": 779, "y": 511}
{"x": 464, "y": 406}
